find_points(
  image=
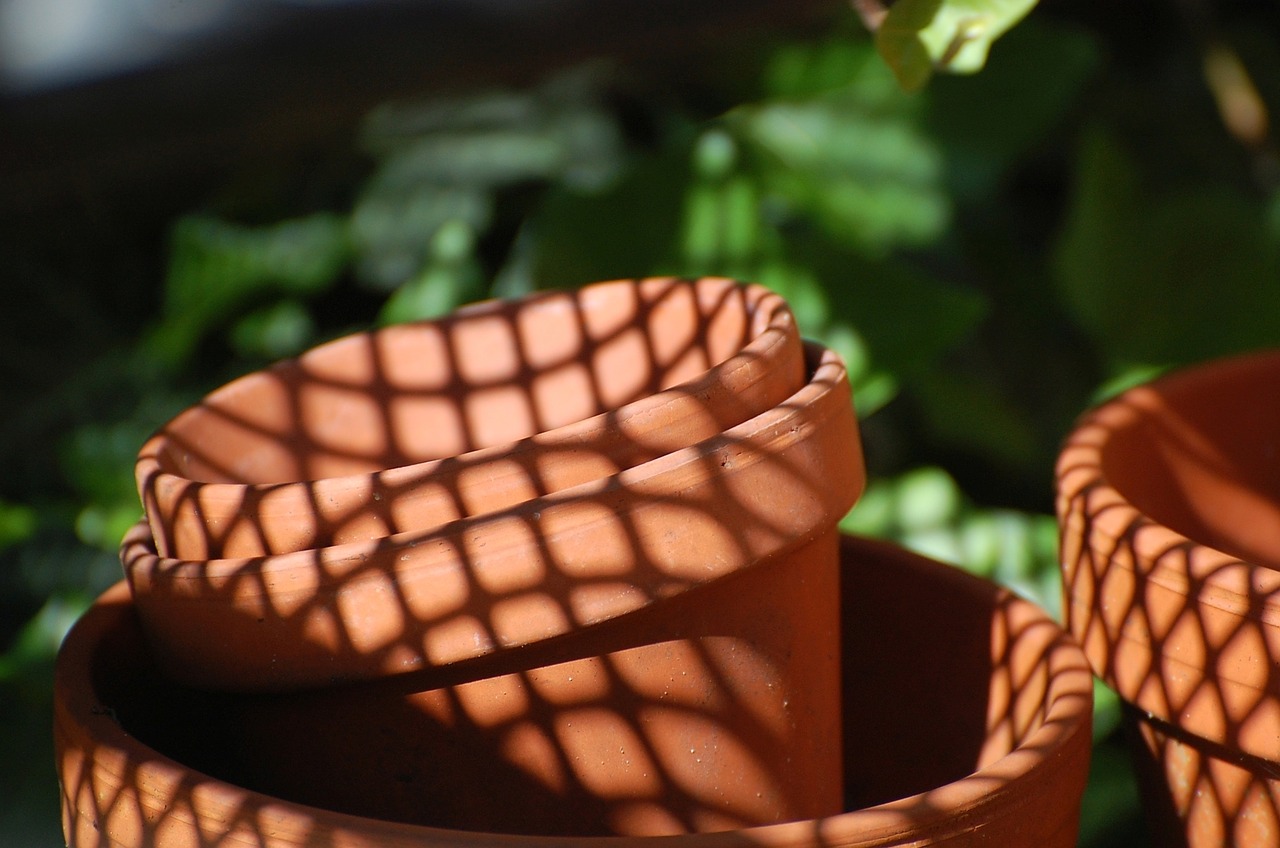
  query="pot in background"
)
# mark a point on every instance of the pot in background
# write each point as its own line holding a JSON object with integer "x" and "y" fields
{"x": 1169, "y": 503}
{"x": 966, "y": 722}
{"x": 413, "y": 425}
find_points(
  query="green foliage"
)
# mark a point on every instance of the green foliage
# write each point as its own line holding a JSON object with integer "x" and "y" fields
{"x": 281, "y": 329}
{"x": 17, "y": 523}
{"x": 443, "y": 163}
{"x": 924, "y": 510}
{"x": 1111, "y": 800}
{"x": 1165, "y": 277}
{"x": 919, "y": 36}
{"x": 216, "y": 267}
{"x": 864, "y": 174}
{"x": 987, "y": 125}
{"x": 810, "y": 191}
{"x": 989, "y": 254}
{"x": 40, "y": 637}
{"x": 450, "y": 277}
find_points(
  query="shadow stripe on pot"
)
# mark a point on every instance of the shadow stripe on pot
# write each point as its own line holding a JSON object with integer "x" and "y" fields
{"x": 966, "y": 722}
{"x": 1169, "y": 504}
{"x": 413, "y": 425}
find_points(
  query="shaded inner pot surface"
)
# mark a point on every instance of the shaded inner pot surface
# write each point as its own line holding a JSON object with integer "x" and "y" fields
{"x": 966, "y": 717}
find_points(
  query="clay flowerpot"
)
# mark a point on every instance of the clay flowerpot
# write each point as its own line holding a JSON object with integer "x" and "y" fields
{"x": 413, "y": 425}
{"x": 966, "y": 722}
{"x": 546, "y": 567}
{"x": 1169, "y": 500}
{"x": 702, "y": 578}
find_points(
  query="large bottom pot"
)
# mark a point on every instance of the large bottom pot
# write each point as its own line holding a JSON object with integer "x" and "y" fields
{"x": 966, "y": 721}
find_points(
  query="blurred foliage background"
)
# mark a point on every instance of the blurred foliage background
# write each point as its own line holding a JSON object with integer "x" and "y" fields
{"x": 991, "y": 254}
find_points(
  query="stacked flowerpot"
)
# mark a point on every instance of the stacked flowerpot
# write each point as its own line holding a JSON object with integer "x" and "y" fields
{"x": 1169, "y": 502}
{"x": 563, "y": 567}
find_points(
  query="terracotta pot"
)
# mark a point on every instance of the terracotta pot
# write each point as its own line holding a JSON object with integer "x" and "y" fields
{"x": 1170, "y": 514}
{"x": 700, "y": 577}
{"x": 547, "y": 567}
{"x": 413, "y": 425}
{"x": 966, "y": 722}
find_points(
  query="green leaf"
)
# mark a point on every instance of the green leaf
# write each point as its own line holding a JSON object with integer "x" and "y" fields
{"x": 875, "y": 512}
{"x": 1109, "y": 813}
{"x": 908, "y": 319}
{"x": 41, "y": 636}
{"x": 967, "y": 411}
{"x": 919, "y": 36}
{"x": 845, "y": 61}
{"x": 17, "y": 523}
{"x": 987, "y": 123}
{"x": 392, "y": 228}
{"x": 280, "y": 330}
{"x": 216, "y": 266}
{"x": 633, "y": 228}
{"x": 802, "y": 290}
{"x": 865, "y": 174}
{"x": 1094, "y": 259}
{"x": 558, "y": 130}
{"x": 1165, "y": 277}
{"x": 900, "y": 44}
{"x": 103, "y": 527}
{"x": 927, "y": 498}
{"x": 924, "y": 510}
{"x": 98, "y": 459}
{"x": 452, "y": 277}
{"x": 873, "y": 387}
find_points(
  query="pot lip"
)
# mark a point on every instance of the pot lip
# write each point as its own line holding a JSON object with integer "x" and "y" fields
{"x": 824, "y": 394}
{"x": 1214, "y": 577}
{"x": 953, "y": 807}
{"x": 151, "y": 472}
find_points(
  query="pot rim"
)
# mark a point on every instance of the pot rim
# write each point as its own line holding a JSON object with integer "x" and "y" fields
{"x": 769, "y": 318}
{"x": 992, "y": 792}
{"x": 814, "y": 424}
{"x": 825, "y": 382}
{"x": 1224, "y": 580}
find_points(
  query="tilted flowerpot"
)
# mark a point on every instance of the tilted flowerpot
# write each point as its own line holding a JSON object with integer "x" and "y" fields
{"x": 544, "y": 568}
{"x": 966, "y": 722}
{"x": 703, "y": 577}
{"x": 1169, "y": 501}
{"x": 413, "y": 425}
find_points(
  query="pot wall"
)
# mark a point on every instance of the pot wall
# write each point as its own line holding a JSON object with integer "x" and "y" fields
{"x": 712, "y": 713}
{"x": 1200, "y": 794}
{"x": 943, "y": 674}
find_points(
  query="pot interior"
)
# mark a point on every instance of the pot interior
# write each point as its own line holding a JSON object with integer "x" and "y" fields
{"x": 1199, "y": 452}
{"x": 943, "y": 674}
{"x": 483, "y": 376}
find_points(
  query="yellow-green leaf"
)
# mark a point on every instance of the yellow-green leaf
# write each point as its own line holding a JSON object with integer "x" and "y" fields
{"x": 920, "y": 36}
